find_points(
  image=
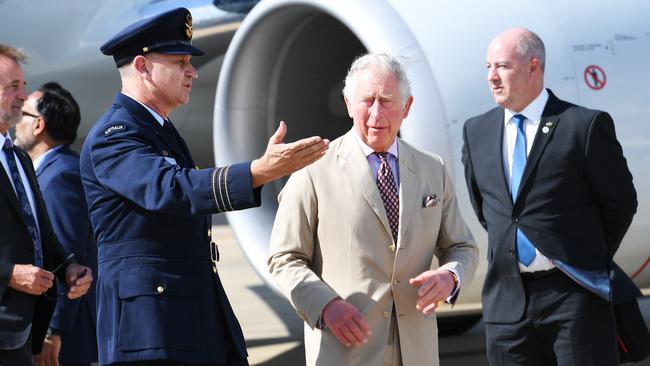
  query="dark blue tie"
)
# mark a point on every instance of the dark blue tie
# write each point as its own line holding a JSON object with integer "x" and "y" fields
{"x": 525, "y": 249}
{"x": 25, "y": 207}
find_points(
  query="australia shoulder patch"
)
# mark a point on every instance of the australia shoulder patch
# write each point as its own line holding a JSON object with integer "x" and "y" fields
{"x": 114, "y": 129}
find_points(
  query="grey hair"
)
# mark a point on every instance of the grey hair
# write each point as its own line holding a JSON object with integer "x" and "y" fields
{"x": 384, "y": 62}
{"x": 529, "y": 46}
{"x": 13, "y": 53}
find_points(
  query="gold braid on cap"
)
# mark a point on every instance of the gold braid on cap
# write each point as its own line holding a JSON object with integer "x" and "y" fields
{"x": 188, "y": 26}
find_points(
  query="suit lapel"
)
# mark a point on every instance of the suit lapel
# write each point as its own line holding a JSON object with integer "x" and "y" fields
{"x": 494, "y": 131}
{"x": 8, "y": 190}
{"x": 550, "y": 119}
{"x": 407, "y": 186}
{"x": 24, "y": 159}
{"x": 354, "y": 165}
{"x": 51, "y": 158}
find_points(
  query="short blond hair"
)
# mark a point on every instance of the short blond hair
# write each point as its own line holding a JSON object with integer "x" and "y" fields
{"x": 13, "y": 53}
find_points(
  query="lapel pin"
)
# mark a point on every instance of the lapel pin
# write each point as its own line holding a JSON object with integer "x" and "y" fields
{"x": 547, "y": 126}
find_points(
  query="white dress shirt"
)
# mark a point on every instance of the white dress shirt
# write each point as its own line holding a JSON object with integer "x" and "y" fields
{"x": 533, "y": 114}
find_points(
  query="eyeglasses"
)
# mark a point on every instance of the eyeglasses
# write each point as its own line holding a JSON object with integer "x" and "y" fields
{"x": 30, "y": 115}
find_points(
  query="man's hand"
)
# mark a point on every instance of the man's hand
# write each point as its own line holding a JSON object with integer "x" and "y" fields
{"x": 346, "y": 322}
{"x": 78, "y": 278}
{"x": 435, "y": 287}
{"x": 282, "y": 159}
{"x": 30, "y": 279}
{"x": 49, "y": 356}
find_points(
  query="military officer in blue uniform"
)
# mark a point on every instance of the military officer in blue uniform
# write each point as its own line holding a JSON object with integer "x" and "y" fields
{"x": 160, "y": 299}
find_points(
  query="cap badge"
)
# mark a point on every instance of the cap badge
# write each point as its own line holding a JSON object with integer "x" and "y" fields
{"x": 188, "y": 26}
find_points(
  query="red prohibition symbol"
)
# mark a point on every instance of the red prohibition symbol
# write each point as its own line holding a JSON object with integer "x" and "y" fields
{"x": 595, "y": 77}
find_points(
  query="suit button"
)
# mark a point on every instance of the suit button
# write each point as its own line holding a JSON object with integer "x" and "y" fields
{"x": 396, "y": 282}
{"x": 511, "y": 251}
{"x": 391, "y": 248}
{"x": 160, "y": 289}
{"x": 516, "y": 219}
{"x": 209, "y": 232}
{"x": 386, "y": 314}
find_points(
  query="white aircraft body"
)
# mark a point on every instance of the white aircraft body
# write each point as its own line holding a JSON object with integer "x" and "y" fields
{"x": 288, "y": 58}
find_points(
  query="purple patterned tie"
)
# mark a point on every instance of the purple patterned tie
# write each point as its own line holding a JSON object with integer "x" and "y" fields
{"x": 388, "y": 191}
{"x": 25, "y": 207}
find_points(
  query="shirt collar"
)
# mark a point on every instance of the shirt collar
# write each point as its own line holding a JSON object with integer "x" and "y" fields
{"x": 533, "y": 111}
{"x": 39, "y": 161}
{"x": 155, "y": 115}
{"x": 367, "y": 150}
{"x": 3, "y": 138}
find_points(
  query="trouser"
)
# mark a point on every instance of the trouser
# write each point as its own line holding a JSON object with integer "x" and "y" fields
{"x": 242, "y": 362}
{"x": 18, "y": 357}
{"x": 563, "y": 324}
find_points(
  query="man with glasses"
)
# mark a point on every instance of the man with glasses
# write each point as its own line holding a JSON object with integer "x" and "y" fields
{"x": 30, "y": 254}
{"x": 51, "y": 117}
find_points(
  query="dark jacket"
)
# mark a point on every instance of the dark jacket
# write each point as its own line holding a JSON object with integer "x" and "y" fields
{"x": 150, "y": 208}
{"x": 575, "y": 202}
{"x": 60, "y": 182}
{"x": 19, "y": 309}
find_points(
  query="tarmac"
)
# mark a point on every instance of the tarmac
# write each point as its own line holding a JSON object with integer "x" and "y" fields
{"x": 274, "y": 332}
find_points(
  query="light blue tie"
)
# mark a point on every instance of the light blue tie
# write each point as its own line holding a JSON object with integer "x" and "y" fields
{"x": 525, "y": 249}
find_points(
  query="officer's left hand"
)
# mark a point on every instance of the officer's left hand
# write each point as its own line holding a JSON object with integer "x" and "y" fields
{"x": 282, "y": 159}
{"x": 49, "y": 356}
{"x": 435, "y": 286}
{"x": 79, "y": 279}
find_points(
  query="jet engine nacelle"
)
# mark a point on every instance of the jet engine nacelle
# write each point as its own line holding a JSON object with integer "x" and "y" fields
{"x": 289, "y": 58}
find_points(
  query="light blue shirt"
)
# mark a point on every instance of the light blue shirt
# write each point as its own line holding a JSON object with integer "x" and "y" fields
{"x": 374, "y": 161}
{"x": 155, "y": 115}
{"x": 23, "y": 177}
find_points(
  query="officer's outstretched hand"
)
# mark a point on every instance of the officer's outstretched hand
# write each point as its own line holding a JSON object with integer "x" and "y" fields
{"x": 78, "y": 278}
{"x": 282, "y": 159}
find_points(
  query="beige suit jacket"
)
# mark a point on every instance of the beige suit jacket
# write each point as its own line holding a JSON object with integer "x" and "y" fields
{"x": 331, "y": 238}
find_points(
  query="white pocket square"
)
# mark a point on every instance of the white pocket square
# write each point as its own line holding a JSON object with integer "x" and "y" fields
{"x": 430, "y": 201}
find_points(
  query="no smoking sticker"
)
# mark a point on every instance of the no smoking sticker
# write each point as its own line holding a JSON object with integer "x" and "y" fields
{"x": 595, "y": 77}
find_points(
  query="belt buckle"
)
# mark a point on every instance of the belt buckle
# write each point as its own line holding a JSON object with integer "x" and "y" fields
{"x": 214, "y": 255}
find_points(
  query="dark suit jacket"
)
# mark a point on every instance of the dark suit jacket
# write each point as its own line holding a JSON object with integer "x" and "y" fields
{"x": 19, "y": 309}
{"x": 60, "y": 182}
{"x": 150, "y": 209}
{"x": 575, "y": 202}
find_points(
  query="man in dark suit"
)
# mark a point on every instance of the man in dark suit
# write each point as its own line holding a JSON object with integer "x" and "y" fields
{"x": 50, "y": 126}
{"x": 30, "y": 254}
{"x": 160, "y": 299}
{"x": 549, "y": 182}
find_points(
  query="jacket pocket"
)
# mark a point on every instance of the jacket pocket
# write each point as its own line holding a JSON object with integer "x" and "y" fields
{"x": 159, "y": 310}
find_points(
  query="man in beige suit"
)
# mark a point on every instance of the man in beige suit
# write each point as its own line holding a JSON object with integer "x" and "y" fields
{"x": 369, "y": 240}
